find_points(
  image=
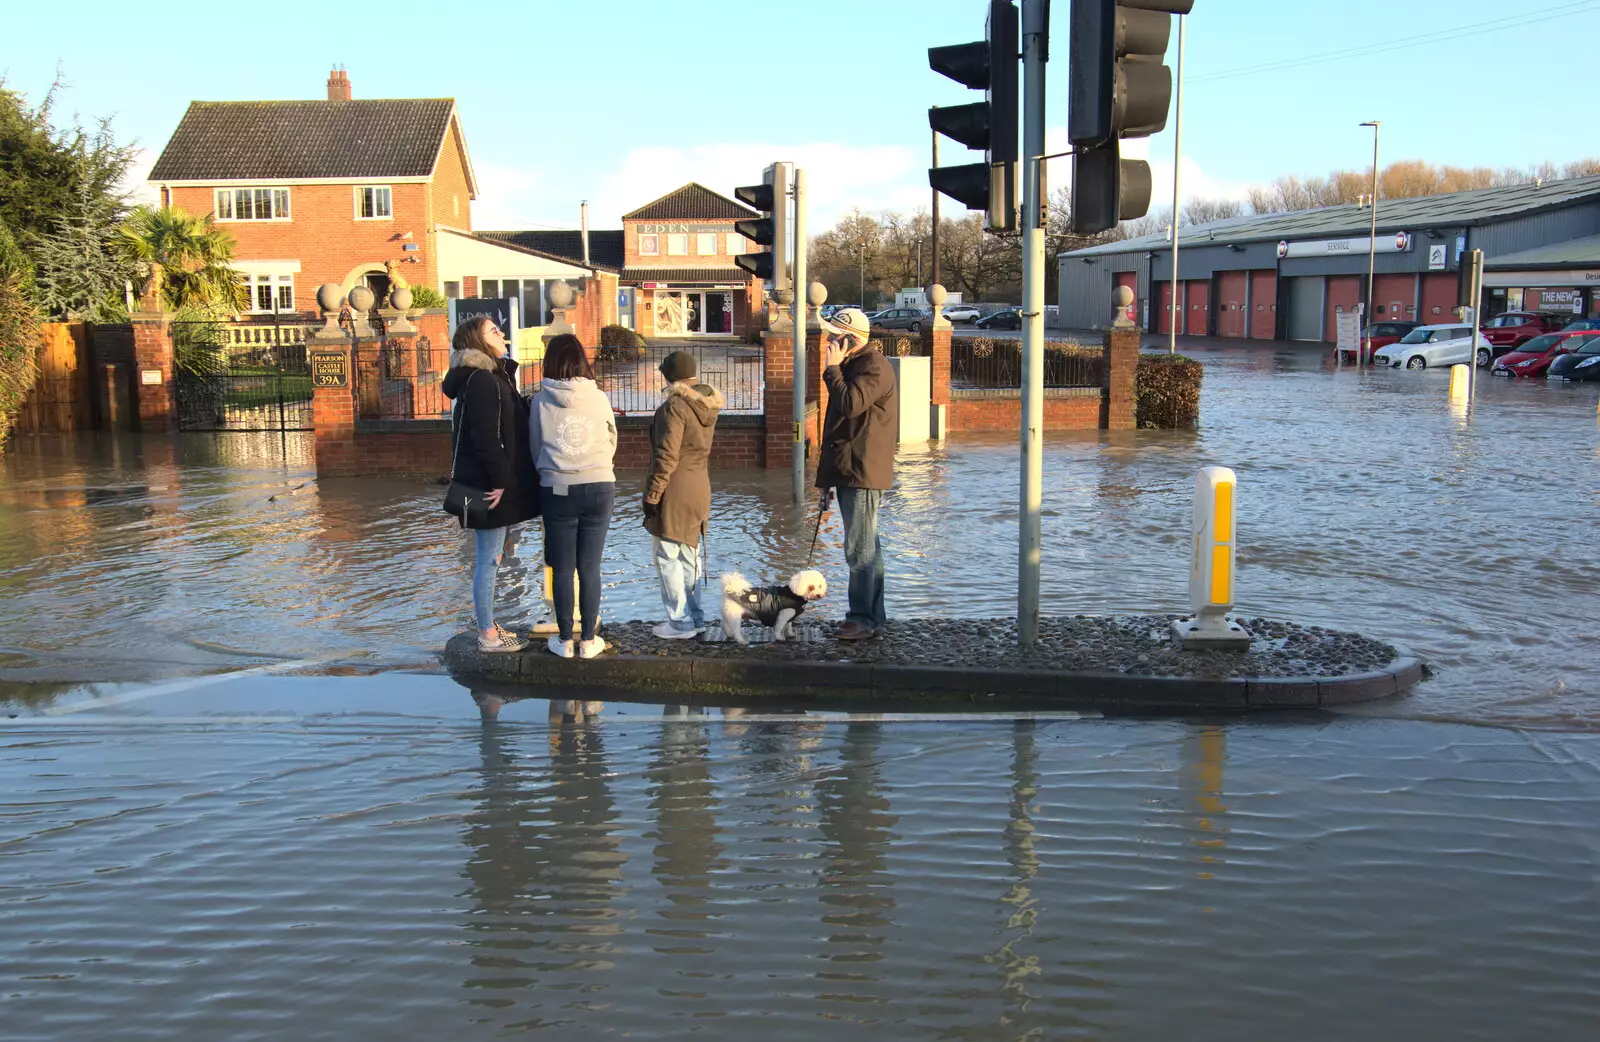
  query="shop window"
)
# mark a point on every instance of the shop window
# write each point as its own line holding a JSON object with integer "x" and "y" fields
{"x": 736, "y": 244}
{"x": 706, "y": 244}
{"x": 649, "y": 245}
{"x": 677, "y": 246}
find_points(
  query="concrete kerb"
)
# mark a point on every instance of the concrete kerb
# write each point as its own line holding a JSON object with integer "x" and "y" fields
{"x": 891, "y": 683}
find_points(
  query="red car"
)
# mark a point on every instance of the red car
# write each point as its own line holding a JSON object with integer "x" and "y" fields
{"x": 1515, "y": 328}
{"x": 1534, "y": 357}
{"x": 1382, "y": 334}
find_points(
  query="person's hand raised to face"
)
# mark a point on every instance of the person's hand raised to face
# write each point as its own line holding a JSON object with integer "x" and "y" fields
{"x": 838, "y": 347}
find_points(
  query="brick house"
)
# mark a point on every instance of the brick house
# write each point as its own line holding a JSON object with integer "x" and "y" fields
{"x": 337, "y": 190}
{"x": 675, "y": 259}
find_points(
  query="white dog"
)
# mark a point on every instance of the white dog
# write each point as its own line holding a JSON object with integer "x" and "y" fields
{"x": 775, "y": 606}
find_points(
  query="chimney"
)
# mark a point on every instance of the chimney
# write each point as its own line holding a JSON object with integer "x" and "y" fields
{"x": 583, "y": 228}
{"x": 338, "y": 85}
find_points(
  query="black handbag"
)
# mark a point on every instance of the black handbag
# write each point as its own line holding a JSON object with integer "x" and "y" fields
{"x": 464, "y": 502}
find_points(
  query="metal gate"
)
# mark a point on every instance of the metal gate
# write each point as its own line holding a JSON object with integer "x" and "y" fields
{"x": 241, "y": 376}
{"x": 1305, "y": 296}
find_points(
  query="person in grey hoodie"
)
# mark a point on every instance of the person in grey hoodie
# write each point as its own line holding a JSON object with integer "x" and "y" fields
{"x": 573, "y": 437}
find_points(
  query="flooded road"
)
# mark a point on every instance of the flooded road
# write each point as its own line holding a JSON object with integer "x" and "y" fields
{"x": 1366, "y": 502}
{"x": 242, "y": 802}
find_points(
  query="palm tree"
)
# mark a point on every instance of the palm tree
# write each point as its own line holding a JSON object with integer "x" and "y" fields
{"x": 189, "y": 254}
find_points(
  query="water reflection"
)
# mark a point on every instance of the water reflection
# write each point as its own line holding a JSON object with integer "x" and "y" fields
{"x": 545, "y": 865}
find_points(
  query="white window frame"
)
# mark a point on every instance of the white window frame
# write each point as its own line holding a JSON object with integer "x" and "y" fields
{"x": 678, "y": 245}
{"x": 274, "y": 285}
{"x": 360, "y": 198}
{"x": 223, "y": 205}
{"x": 701, "y": 240}
{"x": 653, "y": 241}
{"x": 736, "y": 244}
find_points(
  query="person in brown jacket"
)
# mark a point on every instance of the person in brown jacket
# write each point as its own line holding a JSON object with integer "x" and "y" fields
{"x": 859, "y": 435}
{"x": 677, "y": 494}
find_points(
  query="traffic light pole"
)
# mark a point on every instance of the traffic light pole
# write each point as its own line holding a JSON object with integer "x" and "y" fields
{"x": 1034, "y": 41}
{"x": 802, "y": 308}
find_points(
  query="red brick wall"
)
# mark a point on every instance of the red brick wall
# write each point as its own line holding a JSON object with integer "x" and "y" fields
{"x": 152, "y": 349}
{"x": 1005, "y": 414}
{"x": 324, "y": 236}
{"x": 451, "y": 198}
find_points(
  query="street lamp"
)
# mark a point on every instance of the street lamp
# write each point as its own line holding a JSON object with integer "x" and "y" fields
{"x": 863, "y": 248}
{"x": 1372, "y": 243}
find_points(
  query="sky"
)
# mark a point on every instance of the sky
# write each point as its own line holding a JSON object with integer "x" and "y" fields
{"x": 620, "y": 101}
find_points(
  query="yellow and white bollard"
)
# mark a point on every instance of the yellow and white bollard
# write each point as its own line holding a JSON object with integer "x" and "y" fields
{"x": 1211, "y": 567}
{"x": 1460, "y": 382}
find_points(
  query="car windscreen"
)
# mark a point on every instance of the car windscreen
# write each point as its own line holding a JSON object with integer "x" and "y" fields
{"x": 1417, "y": 336}
{"x": 1539, "y": 344}
{"x": 1591, "y": 346}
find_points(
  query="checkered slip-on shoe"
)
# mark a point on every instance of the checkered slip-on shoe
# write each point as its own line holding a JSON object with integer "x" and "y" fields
{"x": 504, "y": 642}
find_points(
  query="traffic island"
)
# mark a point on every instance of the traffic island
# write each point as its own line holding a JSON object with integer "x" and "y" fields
{"x": 1126, "y": 663}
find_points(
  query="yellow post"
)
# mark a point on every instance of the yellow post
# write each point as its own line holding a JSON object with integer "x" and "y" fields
{"x": 1460, "y": 376}
{"x": 1211, "y": 566}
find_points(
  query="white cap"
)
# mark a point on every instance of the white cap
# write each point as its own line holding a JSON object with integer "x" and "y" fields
{"x": 849, "y": 322}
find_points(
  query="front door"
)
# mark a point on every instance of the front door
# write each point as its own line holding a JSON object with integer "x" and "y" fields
{"x": 694, "y": 312}
{"x": 719, "y": 313}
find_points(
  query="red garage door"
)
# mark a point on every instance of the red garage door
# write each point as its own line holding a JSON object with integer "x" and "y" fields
{"x": 1344, "y": 293}
{"x": 1230, "y": 304}
{"x": 1131, "y": 280}
{"x": 1438, "y": 299}
{"x": 1397, "y": 298}
{"x": 1164, "y": 319}
{"x": 1263, "y": 305}
{"x": 1198, "y": 306}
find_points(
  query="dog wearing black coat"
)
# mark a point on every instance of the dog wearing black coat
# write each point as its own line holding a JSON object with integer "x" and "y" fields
{"x": 775, "y": 606}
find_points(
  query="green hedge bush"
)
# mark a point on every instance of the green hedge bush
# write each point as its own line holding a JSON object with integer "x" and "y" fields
{"x": 1167, "y": 389}
{"x": 619, "y": 344}
{"x": 427, "y": 297}
{"x": 20, "y": 336}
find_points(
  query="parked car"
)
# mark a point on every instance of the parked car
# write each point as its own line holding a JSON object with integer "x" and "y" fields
{"x": 962, "y": 313}
{"x": 1430, "y": 345}
{"x": 1580, "y": 325}
{"x": 1534, "y": 357}
{"x": 1382, "y": 334}
{"x": 1010, "y": 318}
{"x": 901, "y": 318}
{"x": 1515, "y": 328}
{"x": 1582, "y": 364}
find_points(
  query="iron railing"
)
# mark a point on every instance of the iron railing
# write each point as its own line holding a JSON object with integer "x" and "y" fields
{"x": 982, "y": 363}
{"x": 631, "y": 376}
{"x": 241, "y": 375}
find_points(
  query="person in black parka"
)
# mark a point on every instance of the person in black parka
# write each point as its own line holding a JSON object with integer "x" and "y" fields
{"x": 489, "y": 441}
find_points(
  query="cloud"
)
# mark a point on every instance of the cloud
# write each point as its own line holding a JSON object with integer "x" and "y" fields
{"x": 135, "y": 184}
{"x": 505, "y": 195}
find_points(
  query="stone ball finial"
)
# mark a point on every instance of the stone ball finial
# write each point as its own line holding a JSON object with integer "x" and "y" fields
{"x": 328, "y": 296}
{"x": 817, "y": 294}
{"x": 937, "y": 295}
{"x": 560, "y": 295}
{"x": 361, "y": 298}
{"x": 400, "y": 297}
{"x": 784, "y": 296}
{"x": 1122, "y": 297}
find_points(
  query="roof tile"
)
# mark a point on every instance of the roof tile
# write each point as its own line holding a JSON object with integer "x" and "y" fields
{"x": 692, "y": 202}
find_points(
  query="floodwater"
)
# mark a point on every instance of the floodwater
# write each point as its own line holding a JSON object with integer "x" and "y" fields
{"x": 241, "y": 801}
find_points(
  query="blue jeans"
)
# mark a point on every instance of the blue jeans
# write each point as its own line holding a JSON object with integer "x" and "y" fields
{"x": 863, "y": 552}
{"x": 575, "y": 527}
{"x": 678, "y": 566}
{"x": 492, "y": 543}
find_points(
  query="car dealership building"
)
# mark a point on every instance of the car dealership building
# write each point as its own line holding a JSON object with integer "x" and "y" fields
{"x": 1286, "y": 276}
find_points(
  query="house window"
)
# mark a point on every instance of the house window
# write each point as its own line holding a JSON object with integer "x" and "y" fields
{"x": 251, "y": 204}
{"x": 452, "y": 290}
{"x": 269, "y": 293}
{"x": 677, "y": 246}
{"x": 374, "y": 203}
{"x": 706, "y": 244}
{"x": 736, "y": 244}
{"x": 649, "y": 245}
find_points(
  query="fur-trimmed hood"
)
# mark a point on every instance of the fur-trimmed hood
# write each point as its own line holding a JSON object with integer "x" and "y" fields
{"x": 703, "y": 400}
{"x": 464, "y": 363}
{"x": 472, "y": 358}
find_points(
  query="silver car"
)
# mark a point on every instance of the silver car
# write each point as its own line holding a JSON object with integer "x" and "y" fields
{"x": 901, "y": 318}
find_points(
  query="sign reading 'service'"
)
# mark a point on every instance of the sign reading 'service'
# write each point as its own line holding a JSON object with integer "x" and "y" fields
{"x": 1399, "y": 242}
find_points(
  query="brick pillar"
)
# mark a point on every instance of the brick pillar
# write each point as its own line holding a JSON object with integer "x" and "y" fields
{"x": 1121, "y": 362}
{"x": 778, "y": 365}
{"x": 816, "y": 390}
{"x": 333, "y": 408}
{"x": 154, "y": 406}
{"x": 936, "y": 345}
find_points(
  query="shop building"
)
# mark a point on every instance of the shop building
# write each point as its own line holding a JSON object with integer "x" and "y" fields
{"x": 1288, "y": 276}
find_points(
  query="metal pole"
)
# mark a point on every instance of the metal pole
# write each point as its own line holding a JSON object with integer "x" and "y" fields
{"x": 802, "y": 312}
{"x": 1177, "y": 180}
{"x": 1034, "y": 41}
{"x": 863, "y": 258}
{"x": 1477, "y": 324}
{"x": 1372, "y": 244}
{"x": 933, "y": 266}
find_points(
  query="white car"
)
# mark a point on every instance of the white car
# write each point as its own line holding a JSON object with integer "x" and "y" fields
{"x": 962, "y": 313}
{"x": 1428, "y": 346}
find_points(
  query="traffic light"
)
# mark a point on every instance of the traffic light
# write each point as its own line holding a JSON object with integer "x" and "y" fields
{"x": 1119, "y": 89}
{"x": 771, "y": 197}
{"x": 988, "y": 65}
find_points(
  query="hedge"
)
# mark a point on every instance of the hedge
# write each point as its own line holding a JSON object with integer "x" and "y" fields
{"x": 1167, "y": 389}
{"x": 20, "y": 335}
